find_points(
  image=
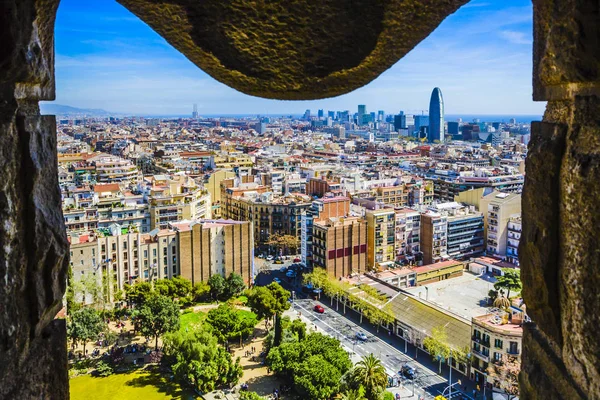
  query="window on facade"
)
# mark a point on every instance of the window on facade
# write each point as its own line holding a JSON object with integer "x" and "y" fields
{"x": 498, "y": 343}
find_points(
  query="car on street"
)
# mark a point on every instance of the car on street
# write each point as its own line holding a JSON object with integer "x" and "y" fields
{"x": 290, "y": 274}
{"x": 270, "y": 258}
{"x": 361, "y": 336}
{"x": 319, "y": 308}
{"x": 408, "y": 371}
{"x": 278, "y": 262}
{"x": 282, "y": 269}
{"x": 297, "y": 260}
{"x": 277, "y": 280}
{"x": 261, "y": 256}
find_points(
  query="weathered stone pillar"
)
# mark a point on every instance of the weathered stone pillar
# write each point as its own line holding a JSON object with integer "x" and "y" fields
{"x": 33, "y": 245}
{"x": 560, "y": 246}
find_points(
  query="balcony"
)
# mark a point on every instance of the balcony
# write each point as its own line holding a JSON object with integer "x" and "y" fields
{"x": 481, "y": 355}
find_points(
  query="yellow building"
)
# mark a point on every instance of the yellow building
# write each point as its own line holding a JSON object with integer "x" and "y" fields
{"x": 175, "y": 198}
{"x": 381, "y": 237}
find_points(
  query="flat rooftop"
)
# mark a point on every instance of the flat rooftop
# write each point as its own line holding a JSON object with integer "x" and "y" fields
{"x": 465, "y": 295}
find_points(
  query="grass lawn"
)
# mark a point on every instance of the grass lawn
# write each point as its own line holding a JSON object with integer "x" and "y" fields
{"x": 191, "y": 319}
{"x": 138, "y": 384}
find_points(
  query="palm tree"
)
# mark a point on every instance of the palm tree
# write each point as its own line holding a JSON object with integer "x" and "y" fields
{"x": 370, "y": 374}
{"x": 358, "y": 394}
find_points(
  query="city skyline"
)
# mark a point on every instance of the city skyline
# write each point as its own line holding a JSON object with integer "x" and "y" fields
{"x": 108, "y": 59}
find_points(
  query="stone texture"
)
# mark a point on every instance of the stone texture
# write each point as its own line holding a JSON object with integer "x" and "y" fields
{"x": 33, "y": 245}
{"x": 566, "y": 50}
{"x": 580, "y": 246}
{"x": 295, "y": 49}
{"x": 539, "y": 249}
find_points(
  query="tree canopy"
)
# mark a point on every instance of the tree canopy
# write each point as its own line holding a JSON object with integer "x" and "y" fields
{"x": 234, "y": 285}
{"x": 138, "y": 293}
{"x": 229, "y": 323}
{"x": 198, "y": 359}
{"x": 370, "y": 374}
{"x": 437, "y": 345}
{"x": 157, "y": 316}
{"x": 315, "y": 365}
{"x": 266, "y": 301}
{"x": 217, "y": 286}
{"x": 84, "y": 324}
{"x": 511, "y": 280}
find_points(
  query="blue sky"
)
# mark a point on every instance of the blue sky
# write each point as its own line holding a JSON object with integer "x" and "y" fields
{"x": 480, "y": 57}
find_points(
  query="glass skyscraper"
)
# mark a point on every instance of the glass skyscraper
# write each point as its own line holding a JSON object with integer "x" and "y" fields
{"x": 436, "y": 116}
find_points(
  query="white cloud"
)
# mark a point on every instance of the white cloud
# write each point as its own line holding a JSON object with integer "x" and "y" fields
{"x": 516, "y": 37}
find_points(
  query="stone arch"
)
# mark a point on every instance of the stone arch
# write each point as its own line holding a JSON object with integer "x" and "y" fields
{"x": 560, "y": 249}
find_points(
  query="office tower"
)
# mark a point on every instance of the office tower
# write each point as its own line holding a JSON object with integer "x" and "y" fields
{"x": 195, "y": 112}
{"x": 362, "y": 110}
{"x": 512, "y": 121}
{"x": 421, "y": 120}
{"x": 373, "y": 117}
{"x": 320, "y": 114}
{"x": 436, "y": 116}
{"x": 453, "y": 128}
{"x": 306, "y": 114}
{"x": 399, "y": 122}
{"x": 380, "y": 115}
{"x": 331, "y": 114}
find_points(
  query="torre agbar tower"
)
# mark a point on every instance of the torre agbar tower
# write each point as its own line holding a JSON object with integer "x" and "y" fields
{"x": 436, "y": 116}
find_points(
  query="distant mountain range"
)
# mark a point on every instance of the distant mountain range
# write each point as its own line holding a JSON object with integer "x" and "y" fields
{"x": 62, "y": 110}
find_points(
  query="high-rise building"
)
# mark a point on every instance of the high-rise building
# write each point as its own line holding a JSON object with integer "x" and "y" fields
{"x": 436, "y": 116}
{"x": 362, "y": 110}
{"x": 331, "y": 114}
{"x": 320, "y": 114}
{"x": 307, "y": 114}
{"x": 380, "y": 115}
{"x": 453, "y": 128}
{"x": 195, "y": 112}
{"x": 421, "y": 120}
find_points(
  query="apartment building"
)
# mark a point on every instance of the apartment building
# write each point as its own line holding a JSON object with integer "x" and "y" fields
{"x": 434, "y": 237}
{"x": 497, "y": 208}
{"x": 381, "y": 231}
{"x": 340, "y": 246}
{"x": 116, "y": 258}
{"x": 513, "y": 238}
{"x": 408, "y": 235}
{"x": 175, "y": 198}
{"x": 271, "y": 215}
{"x": 110, "y": 169}
{"x": 237, "y": 162}
{"x": 496, "y": 340}
{"x": 192, "y": 249}
{"x": 211, "y": 247}
{"x": 465, "y": 230}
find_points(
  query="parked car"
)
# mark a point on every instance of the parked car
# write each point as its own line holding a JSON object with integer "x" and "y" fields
{"x": 278, "y": 262}
{"x": 361, "y": 336}
{"x": 408, "y": 371}
{"x": 297, "y": 260}
{"x": 270, "y": 258}
{"x": 290, "y": 274}
{"x": 283, "y": 269}
{"x": 319, "y": 308}
{"x": 277, "y": 280}
{"x": 261, "y": 256}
